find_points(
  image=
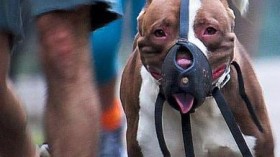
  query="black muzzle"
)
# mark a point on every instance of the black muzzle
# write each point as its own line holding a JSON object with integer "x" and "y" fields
{"x": 187, "y": 77}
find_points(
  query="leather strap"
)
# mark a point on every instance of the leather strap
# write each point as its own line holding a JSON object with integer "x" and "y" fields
{"x": 231, "y": 123}
{"x": 184, "y": 19}
{"x": 187, "y": 135}
{"x": 158, "y": 123}
{"x": 244, "y": 96}
{"x": 186, "y": 129}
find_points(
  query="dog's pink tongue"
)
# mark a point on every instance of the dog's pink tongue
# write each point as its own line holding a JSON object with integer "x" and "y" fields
{"x": 184, "y": 60}
{"x": 185, "y": 101}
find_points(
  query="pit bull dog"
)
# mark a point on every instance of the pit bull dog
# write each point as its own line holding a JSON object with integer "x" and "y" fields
{"x": 211, "y": 24}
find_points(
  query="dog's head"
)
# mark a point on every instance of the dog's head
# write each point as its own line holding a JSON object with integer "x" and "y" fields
{"x": 210, "y": 32}
{"x": 211, "y": 24}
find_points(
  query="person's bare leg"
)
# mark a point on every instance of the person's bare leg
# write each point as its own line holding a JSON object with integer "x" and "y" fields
{"x": 72, "y": 111}
{"x": 15, "y": 139}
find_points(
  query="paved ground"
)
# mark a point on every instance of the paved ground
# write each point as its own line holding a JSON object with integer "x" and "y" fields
{"x": 32, "y": 90}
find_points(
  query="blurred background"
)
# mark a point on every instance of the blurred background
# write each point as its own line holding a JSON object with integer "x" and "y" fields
{"x": 259, "y": 32}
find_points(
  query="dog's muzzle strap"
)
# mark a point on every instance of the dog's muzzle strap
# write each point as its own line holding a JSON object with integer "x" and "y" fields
{"x": 244, "y": 96}
{"x": 187, "y": 134}
{"x": 186, "y": 126}
{"x": 184, "y": 23}
{"x": 158, "y": 123}
{"x": 231, "y": 123}
{"x": 186, "y": 129}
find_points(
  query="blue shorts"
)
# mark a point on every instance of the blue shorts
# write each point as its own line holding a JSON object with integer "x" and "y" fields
{"x": 10, "y": 19}
{"x": 102, "y": 12}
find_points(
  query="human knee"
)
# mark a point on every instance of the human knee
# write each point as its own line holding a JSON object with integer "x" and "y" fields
{"x": 63, "y": 44}
{"x": 63, "y": 31}
{"x": 56, "y": 35}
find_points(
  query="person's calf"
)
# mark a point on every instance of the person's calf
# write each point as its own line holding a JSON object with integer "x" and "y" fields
{"x": 15, "y": 139}
{"x": 72, "y": 110}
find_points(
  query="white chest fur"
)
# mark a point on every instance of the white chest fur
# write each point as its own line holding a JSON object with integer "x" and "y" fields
{"x": 209, "y": 130}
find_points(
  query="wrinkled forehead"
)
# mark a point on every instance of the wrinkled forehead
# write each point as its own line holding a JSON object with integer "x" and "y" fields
{"x": 199, "y": 10}
{"x": 167, "y": 5}
{"x": 169, "y": 11}
{"x": 194, "y": 6}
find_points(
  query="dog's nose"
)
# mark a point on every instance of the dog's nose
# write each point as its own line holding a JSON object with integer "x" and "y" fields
{"x": 184, "y": 59}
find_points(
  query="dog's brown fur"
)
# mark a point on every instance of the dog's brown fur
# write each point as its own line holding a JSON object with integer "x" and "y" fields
{"x": 222, "y": 48}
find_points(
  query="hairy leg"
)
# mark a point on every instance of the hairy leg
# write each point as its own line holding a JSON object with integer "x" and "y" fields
{"x": 15, "y": 140}
{"x": 72, "y": 110}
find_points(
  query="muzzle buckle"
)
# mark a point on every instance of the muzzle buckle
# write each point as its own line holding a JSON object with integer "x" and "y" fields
{"x": 223, "y": 80}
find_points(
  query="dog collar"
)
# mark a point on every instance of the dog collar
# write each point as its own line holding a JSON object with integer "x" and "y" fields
{"x": 223, "y": 80}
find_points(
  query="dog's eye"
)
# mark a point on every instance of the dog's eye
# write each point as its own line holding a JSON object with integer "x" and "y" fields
{"x": 210, "y": 31}
{"x": 159, "y": 33}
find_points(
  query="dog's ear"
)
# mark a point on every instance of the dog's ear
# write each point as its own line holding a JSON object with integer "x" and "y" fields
{"x": 241, "y": 5}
